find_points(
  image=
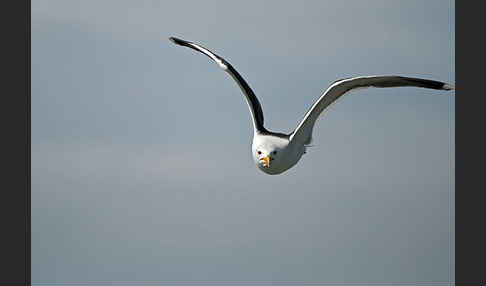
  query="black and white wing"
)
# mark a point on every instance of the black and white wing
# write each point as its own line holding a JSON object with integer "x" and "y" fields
{"x": 251, "y": 99}
{"x": 303, "y": 132}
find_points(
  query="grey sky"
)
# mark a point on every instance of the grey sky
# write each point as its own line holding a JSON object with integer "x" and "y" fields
{"x": 141, "y": 166}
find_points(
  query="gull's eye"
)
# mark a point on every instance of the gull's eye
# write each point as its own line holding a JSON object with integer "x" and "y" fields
{"x": 259, "y": 152}
{"x": 274, "y": 152}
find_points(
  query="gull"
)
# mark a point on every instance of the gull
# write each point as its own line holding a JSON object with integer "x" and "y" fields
{"x": 274, "y": 152}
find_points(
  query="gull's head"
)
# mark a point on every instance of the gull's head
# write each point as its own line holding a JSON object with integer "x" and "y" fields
{"x": 272, "y": 154}
{"x": 267, "y": 159}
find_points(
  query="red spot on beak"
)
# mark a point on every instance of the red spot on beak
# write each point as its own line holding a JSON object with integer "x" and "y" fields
{"x": 266, "y": 160}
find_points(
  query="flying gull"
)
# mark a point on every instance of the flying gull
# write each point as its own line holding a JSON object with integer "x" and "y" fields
{"x": 273, "y": 152}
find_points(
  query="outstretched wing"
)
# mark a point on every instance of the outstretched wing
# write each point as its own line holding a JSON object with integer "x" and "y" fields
{"x": 251, "y": 99}
{"x": 303, "y": 132}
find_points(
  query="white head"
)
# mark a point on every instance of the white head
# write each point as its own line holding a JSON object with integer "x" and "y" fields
{"x": 274, "y": 154}
{"x": 270, "y": 153}
{"x": 267, "y": 159}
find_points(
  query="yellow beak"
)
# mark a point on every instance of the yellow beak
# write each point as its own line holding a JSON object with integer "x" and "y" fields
{"x": 266, "y": 160}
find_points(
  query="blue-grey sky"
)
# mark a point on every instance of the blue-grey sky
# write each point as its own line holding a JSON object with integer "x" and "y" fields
{"x": 141, "y": 165}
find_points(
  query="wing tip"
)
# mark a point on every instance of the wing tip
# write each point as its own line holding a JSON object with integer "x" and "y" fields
{"x": 177, "y": 41}
{"x": 448, "y": 87}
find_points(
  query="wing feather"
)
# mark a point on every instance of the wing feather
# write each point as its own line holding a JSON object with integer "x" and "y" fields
{"x": 303, "y": 132}
{"x": 253, "y": 103}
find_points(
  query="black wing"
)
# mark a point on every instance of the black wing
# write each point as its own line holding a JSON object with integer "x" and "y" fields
{"x": 303, "y": 132}
{"x": 251, "y": 99}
